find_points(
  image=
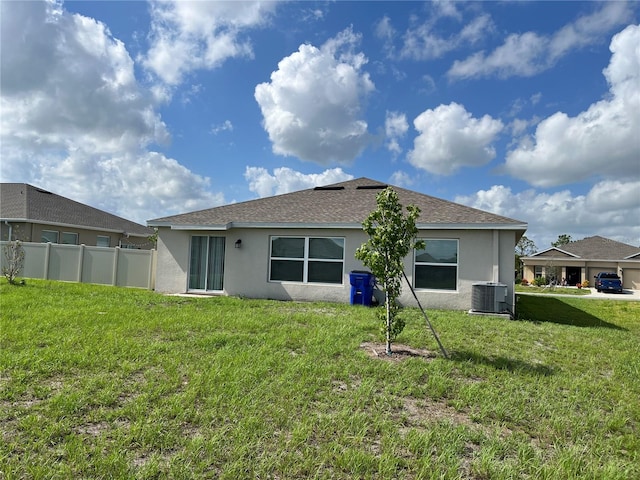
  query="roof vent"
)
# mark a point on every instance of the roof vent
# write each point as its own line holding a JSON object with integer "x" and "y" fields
{"x": 330, "y": 187}
{"x": 371, "y": 187}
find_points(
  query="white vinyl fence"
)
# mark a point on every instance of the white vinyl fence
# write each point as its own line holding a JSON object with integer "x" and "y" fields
{"x": 80, "y": 263}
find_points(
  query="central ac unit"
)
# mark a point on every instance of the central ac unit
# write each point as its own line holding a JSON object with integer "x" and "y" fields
{"x": 489, "y": 297}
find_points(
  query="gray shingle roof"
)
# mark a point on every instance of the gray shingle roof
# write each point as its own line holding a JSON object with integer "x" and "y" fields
{"x": 26, "y": 203}
{"x": 344, "y": 204}
{"x": 600, "y": 248}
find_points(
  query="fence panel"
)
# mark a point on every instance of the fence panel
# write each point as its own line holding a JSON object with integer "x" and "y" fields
{"x": 80, "y": 263}
{"x": 97, "y": 266}
{"x": 37, "y": 255}
{"x": 64, "y": 262}
{"x": 134, "y": 268}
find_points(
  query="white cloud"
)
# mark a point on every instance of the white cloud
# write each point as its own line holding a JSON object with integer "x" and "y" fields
{"x": 447, "y": 8}
{"x": 609, "y": 209}
{"x": 423, "y": 42}
{"x": 601, "y": 141}
{"x": 402, "y": 179}
{"x": 396, "y": 127}
{"x": 223, "y": 127}
{"x": 143, "y": 186}
{"x": 186, "y": 36}
{"x": 311, "y": 108}
{"x": 450, "y": 138}
{"x": 384, "y": 29}
{"x": 285, "y": 180}
{"x": 76, "y": 122}
{"x": 526, "y": 54}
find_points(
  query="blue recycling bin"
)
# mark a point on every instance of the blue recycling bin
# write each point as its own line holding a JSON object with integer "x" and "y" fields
{"x": 361, "y": 287}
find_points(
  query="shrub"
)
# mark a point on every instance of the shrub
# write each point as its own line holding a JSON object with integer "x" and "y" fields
{"x": 540, "y": 281}
{"x": 14, "y": 258}
{"x": 524, "y": 282}
{"x": 585, "y": 284}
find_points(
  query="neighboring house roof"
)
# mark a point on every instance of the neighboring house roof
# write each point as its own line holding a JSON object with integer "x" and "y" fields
{"x": 341, "y": 205}
{"x": 21, "y": 202}
{"x": 593, "y": 248}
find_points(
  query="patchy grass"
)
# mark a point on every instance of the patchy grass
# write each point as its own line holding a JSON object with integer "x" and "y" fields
{"x": 103, "y": 382}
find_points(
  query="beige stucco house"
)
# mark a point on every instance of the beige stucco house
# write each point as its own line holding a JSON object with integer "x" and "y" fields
{"x": 581, "y": 260}
{"x": 301, "y": 246}
{"x": 31, "y": 214}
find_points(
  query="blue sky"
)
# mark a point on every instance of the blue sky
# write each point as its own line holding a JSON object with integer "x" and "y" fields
{"x": 146, "y": 109}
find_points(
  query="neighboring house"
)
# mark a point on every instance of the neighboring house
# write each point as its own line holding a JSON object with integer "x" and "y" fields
{"x": 301, "y": 246}
{"x": 581, "y": 260}
{"x": 30, "y": 214}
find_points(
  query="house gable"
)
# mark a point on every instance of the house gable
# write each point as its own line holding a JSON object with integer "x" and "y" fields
{"x": 554, "y": 253}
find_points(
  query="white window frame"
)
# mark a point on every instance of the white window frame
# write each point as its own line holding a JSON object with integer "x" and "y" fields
{"x": 42, "y": 240}
{"x": 70, "y": 233}
{"x": 438, "y": 264}
{"x": 305, "y": 259}
{"x": 108, "y": 237}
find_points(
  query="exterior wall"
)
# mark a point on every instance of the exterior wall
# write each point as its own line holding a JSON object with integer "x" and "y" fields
{"x": 173, "y": 260}
{"x": 32, "y": 232}
{"x": 483, "y": 256}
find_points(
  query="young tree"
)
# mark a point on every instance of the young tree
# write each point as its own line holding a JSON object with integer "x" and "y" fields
{"x": 392, "y": 235}
{"x": 14, "y": 260}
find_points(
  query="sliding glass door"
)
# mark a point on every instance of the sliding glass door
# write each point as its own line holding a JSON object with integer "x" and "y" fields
{"x": 206, "y": 267}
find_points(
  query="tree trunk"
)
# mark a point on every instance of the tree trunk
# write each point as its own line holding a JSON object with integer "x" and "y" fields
{"x": 388, "y": 307}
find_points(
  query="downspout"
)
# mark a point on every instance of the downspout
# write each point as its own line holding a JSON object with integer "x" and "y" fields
{"x": 10, "y": 229}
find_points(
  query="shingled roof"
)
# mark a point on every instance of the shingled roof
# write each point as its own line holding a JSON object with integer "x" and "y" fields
{"x": 21, "y": 202}
{"x": 343, "y": 205}
{"x": 598, "y": 248}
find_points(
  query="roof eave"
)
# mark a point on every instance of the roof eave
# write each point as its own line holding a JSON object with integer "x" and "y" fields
{"x": 345, "y": 225}
{"x": 70, "y": 225}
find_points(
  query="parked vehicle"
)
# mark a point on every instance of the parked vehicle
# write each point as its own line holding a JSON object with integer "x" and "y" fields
{"x": 608, "y": 282}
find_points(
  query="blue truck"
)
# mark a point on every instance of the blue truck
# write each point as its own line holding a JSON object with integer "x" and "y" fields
{"x": 608, "y": 282}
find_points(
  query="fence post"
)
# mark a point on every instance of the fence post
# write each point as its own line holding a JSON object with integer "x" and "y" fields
{"x": 116, "y": 253}
{"x": 152, "y": 258}
{"x": 47, "y": 254}
{"x": 80, "y": 262}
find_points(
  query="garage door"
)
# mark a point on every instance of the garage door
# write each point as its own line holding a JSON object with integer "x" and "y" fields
{"x": 631, "y": 278}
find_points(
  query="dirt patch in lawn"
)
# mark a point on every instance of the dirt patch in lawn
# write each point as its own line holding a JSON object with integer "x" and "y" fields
{"x": 399, "y": 352}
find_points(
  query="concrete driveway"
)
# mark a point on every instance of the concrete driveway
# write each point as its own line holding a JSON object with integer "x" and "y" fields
{"x": 632, "y": 295}
{"x": 625, "y": 295}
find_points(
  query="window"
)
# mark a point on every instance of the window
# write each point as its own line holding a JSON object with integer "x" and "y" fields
{"x": 103, "y": 241}
{"x": 307, "y": 259}
{"x": 538, "y": 271}
{"x": 49, "y": 236}
{"x": 206, "y": 265}
{"x": 436, "y": 266}
{"x": 69, "y": 238}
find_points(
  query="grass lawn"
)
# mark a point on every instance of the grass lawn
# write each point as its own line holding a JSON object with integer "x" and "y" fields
{"x": 552, "y": 290}
{"x": 104, "y": 382}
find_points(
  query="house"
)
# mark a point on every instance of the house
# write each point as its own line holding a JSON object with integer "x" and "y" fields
{"x": 583, "y": 259}
{"x": 30, "y": 214}
{"x": 301, "y": 246}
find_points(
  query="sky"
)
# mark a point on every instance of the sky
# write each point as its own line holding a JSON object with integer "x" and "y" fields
{"x": 530, "y": 110}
